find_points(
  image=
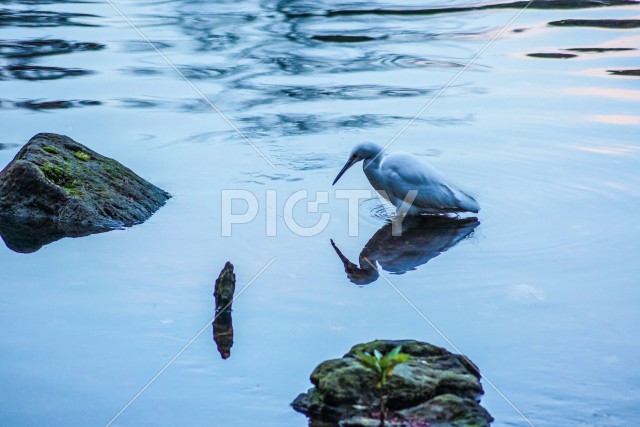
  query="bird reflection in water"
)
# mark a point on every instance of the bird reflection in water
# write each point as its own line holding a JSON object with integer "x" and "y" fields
{"x": 422, "y": 238}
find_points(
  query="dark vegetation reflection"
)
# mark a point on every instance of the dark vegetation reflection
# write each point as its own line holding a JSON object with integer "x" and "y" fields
{"x": 422, "y": 239}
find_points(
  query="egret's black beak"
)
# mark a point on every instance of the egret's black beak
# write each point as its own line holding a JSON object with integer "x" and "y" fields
{"x": 350, "y": 163}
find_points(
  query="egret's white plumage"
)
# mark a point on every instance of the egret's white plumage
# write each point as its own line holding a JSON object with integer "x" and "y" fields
{"x": 396, "y": 174}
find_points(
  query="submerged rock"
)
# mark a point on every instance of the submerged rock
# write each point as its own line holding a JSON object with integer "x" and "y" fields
{"x": 63, "y": 186}
{"x": 435, "y": 388}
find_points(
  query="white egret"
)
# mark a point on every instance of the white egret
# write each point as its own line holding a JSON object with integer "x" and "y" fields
{"x": 399, "y": 177}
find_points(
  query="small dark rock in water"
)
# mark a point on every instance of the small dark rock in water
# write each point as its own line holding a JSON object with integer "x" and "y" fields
{"x": 552, "y": 55}
{"x": 435, "y": 387}
{"x": 63, "y": 186}
{"x": 225, "y": 287}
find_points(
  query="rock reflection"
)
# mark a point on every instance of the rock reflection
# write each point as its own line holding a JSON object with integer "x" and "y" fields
{"x": 422, "y": 239}
{"x": 223, "y": 332}
{"x": 28, "y": 237}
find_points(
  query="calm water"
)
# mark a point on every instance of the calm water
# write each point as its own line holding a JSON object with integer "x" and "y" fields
{"x": 542, "y": 293}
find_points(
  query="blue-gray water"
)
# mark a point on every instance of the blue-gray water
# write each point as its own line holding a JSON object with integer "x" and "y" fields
{"x": 542, "y": 296}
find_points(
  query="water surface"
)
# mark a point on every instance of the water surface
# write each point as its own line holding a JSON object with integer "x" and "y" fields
{"x": 542, "y": 128}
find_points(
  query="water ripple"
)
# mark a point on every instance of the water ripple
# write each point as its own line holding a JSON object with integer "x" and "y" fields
{"x": 39, "y": 18}
{"x": 274, "y": 125}
{"x": 274, "y": 94}
{"x": 309, "y": 9}
{"x": 369, "y": 61}
{"x": 43, "y": 105}
{"x": 191, "y": 72}
{"x": 41, "y": 47}
{"x": 35, "y": 72}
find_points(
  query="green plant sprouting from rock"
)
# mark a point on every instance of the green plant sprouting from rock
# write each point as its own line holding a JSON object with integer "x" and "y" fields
{"x": 382, "y": 366}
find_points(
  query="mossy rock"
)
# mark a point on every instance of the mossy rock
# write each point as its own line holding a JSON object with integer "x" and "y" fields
{"x": 56, "y": 181}
{"x": 433, "y": 379}
{"x": 448, "y": 410}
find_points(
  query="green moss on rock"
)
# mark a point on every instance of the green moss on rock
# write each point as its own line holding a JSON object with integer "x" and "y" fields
{"x": 82, "y": 156}
{"x": 74, "y": 192}
{"x": 50, "y": 149}
{"x": 55, "y": 174}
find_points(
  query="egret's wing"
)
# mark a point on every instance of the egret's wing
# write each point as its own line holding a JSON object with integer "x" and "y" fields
{"x": 404, "y": 172}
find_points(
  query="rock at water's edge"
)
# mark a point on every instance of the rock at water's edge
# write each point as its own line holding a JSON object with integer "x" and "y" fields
{"x": 434, "y": 387}
{"x": 55, "y": 180}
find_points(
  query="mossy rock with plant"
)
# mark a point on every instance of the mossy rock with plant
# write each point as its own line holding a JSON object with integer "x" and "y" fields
{"x": 348, "y": 391}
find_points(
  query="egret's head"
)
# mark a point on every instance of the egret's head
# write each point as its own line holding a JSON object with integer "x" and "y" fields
{"x": 362, "y": 151}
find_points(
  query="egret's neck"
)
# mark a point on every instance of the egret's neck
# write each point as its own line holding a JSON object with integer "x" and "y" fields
{"x": 371, "y": 168}
{"x": 374, "y": 162}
